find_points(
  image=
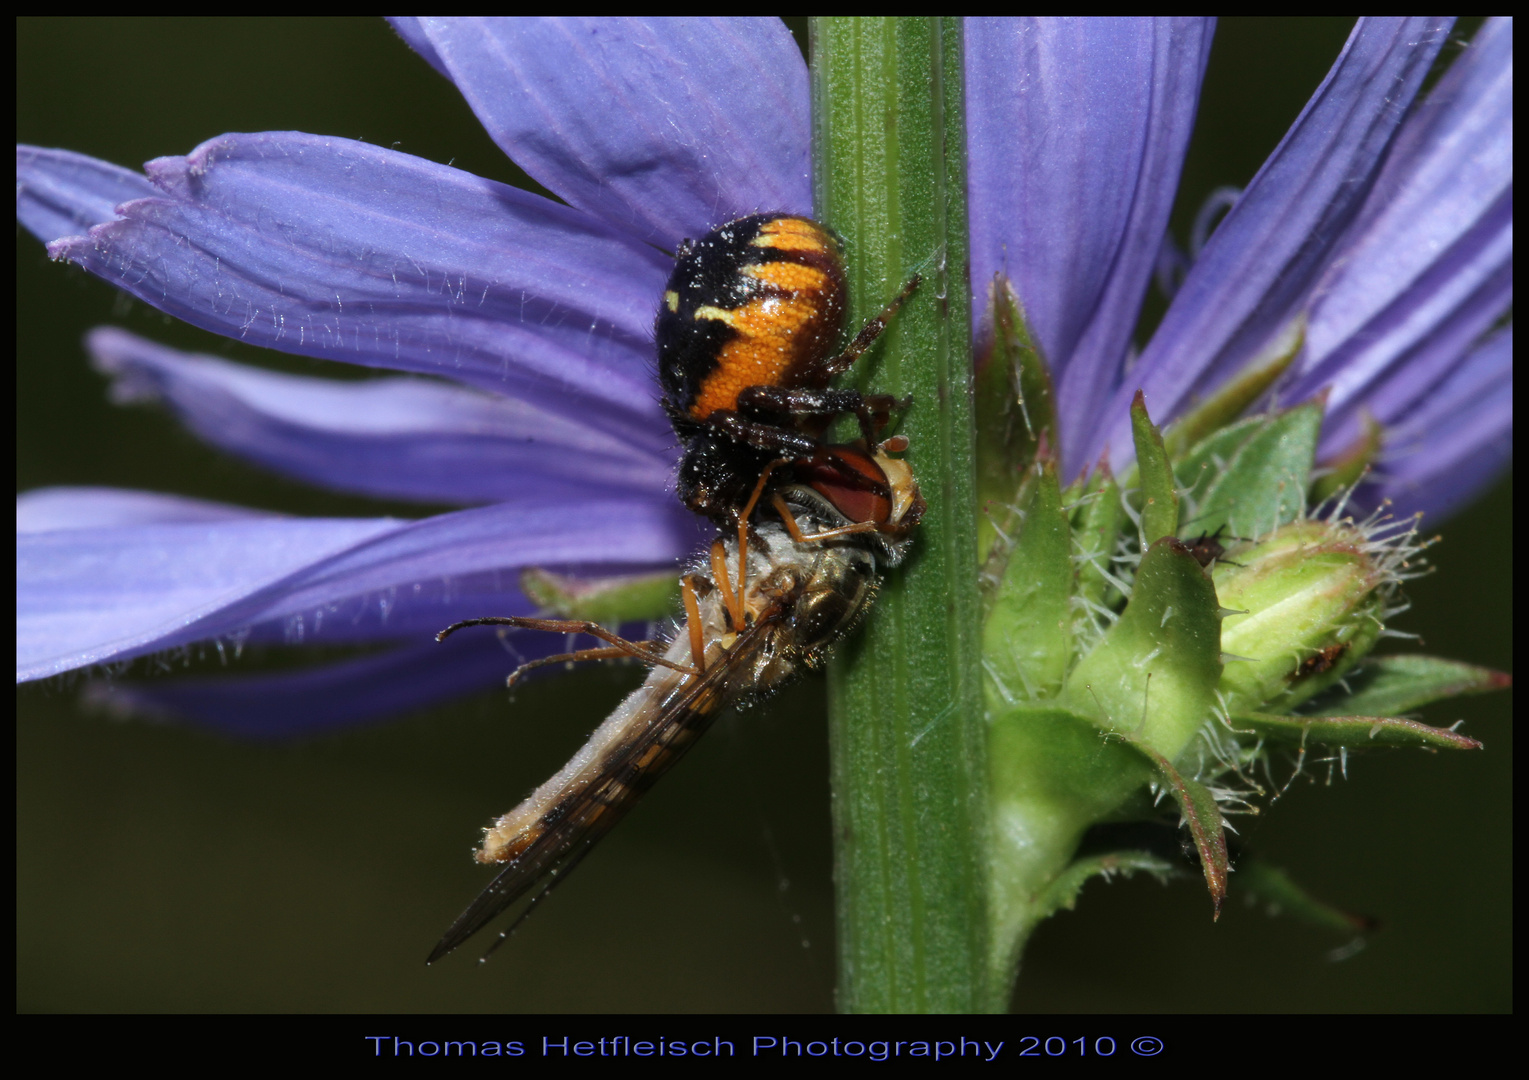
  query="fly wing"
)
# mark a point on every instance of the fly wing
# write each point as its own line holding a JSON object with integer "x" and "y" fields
{"x": 567, "y": 830}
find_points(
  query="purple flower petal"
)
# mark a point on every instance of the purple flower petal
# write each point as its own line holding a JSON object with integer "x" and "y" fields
{"x": 399, "y": 438}
{"x": 1428, "y": 267}
{"x": 88, "y": 595}
{"x": 1076, "y": 132}
{"x": 332, "y": 248}
{"x": 326, "y": 697}
{"x": 61, "y": 193}
{"x": 1258, "y": 269}
{"x": 1417, "y": 339}
{"x": 92, "y": 595}
{"x": 412, "y": 30}
{"x": 1456, "y": 441}
{"x": 666, "y": 128}
{"x": 46, "y": 509}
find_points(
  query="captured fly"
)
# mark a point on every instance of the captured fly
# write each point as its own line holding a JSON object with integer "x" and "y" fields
{"x": 804, "y": 580}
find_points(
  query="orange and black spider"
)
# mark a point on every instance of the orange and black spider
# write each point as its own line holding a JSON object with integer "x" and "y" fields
{"x": 746, "y": 334}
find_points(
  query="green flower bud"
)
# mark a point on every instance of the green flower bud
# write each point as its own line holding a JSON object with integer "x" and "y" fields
{"x": 1311, "y": 598}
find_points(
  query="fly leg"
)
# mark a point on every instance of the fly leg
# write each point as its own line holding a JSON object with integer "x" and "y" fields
{"x": 693, "y": 617}
{"x": 794, "y": 529}
{"x": 732, "y": 602}
{"x": 743, "y": 539}
{"x": 613, "y": 653}
{"x": 646, "y": 651}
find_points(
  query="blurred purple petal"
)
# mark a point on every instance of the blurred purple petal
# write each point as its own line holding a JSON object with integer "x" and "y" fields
{"x": 398, "y": 438}
{"x": 46, "y": 509}
{"x": 1419, "y": 337}
{"x": 329, "y": 696}
{"x": 92, "y": 595}
{"x": 1428, "y": 267}
{"x": 1455, "y": 442}
{"x": 1258, "y": 269}
{"x": 665, "y": 127}
{"x": 336, "y": 249}
{"x": 61, "y": 193}
{"x": 1076, "y": 131}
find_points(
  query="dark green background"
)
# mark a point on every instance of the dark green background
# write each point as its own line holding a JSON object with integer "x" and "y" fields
{"x": 162, "y": 868}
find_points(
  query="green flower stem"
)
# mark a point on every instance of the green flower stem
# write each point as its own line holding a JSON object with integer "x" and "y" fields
{"x": 906, "y": 719}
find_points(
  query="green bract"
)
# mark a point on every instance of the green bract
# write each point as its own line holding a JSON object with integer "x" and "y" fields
{"x": 1150, "y": 638}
